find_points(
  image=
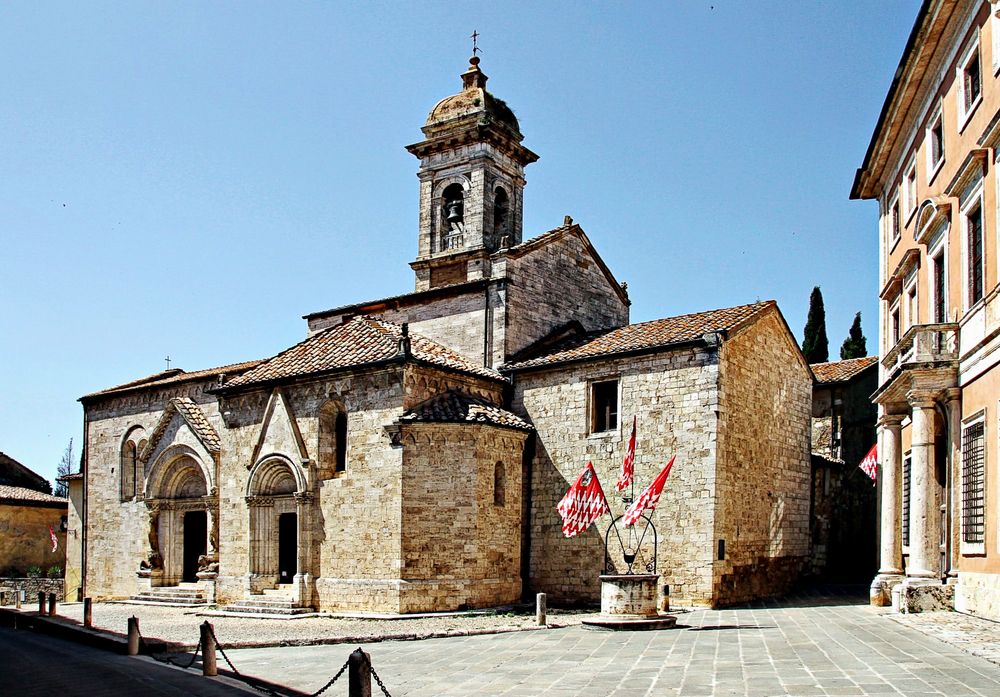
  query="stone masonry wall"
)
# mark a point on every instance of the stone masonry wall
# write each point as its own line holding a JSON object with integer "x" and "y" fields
{"x": 553, "y": 284}
{"x": 674, "y": 397}
{"x": 117, "y": 535}
{"x": 764, "y": 463}
{"x": 461, "y": 542}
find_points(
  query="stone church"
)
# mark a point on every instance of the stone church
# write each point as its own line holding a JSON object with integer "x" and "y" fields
{"x": 409, "y": 453}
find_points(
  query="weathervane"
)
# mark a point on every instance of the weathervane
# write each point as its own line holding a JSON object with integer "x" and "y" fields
{"x": 475, "y": 37}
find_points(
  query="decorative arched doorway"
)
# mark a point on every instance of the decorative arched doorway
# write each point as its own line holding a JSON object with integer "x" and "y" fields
{"x": 183, "y": 533}
{"x": 279, "y": 535}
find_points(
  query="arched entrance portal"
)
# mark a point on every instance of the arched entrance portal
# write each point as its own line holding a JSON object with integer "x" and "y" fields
{"x": 278, "y": 538}
{"x": 182, "y": 519}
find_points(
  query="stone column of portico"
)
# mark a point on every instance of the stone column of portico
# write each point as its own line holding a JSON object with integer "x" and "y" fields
{"x": 954, "y": 397}
{"x": 890, "y": 549}
{"x": 925, "y": 533}
{"x": 303, "y": 579}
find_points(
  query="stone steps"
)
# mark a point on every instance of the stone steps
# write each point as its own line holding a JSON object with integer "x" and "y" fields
{"x": 278, "y": 602}
{"x": 185, "y": 595}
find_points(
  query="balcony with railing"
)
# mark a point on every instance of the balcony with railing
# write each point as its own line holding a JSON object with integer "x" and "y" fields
{"x": 930, "y": 350}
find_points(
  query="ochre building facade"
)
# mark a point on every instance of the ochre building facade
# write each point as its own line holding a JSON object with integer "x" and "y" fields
{"x": 932, "y": 167}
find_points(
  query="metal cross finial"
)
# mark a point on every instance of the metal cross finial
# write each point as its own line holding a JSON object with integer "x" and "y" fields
{"x": 475, "y": 37}
{"x": 167, "y": 359}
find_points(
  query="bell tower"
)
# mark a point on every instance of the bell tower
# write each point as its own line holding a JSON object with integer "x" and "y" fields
{"x": 471, "y": 184}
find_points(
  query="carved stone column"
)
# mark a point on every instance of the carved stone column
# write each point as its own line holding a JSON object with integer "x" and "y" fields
{"x": 261, "y": 509}
{"x": 925, "y": 533}
{"x": 889, "y": 477}
{"x": 303, "y": 577}
{"x": 954, "y": 503}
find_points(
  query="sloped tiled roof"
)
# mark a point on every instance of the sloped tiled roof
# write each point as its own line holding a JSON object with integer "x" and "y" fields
{"x": 19, "y": 493}
{"x": 174, "y": 376}
{"x": 360, "y": 341}
{"x": 13, "y": 473}
{"x": 404, "y": 298}
{"x": 641, "y": 336}
{"x": 455, "y": 407}
{"x": 841, "y": 371}
{"x": 70, "y": 477}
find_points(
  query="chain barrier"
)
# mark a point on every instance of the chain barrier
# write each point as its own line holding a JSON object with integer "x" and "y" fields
{"x": 167, "y": 659}
{"x": 266, "y": 690}
{"x": 379, "y": 682}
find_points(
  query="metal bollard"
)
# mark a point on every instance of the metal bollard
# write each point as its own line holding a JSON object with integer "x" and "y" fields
{"x": 540, "y": 609}
{"x": 208, "y": 667}
{"x": 52, "y": 604}
{"x": 359, "y": 674}
{"x": 41, "y": 603}
{"x": 18, "y": 597}
{"x": 133, "y": 636}
{"x": 88, "y": 612}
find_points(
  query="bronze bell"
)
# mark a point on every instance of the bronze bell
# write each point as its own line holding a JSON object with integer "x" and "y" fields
{"x": 453, "y": 211}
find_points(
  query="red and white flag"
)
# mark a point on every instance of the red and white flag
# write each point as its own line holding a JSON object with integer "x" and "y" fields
{"x": 649, "y": 497}
{"x": 583, "y": 503}
{"x": 55, "y": 540}
{"x": 628, "y": 466}
{"x": 870, "y": 464}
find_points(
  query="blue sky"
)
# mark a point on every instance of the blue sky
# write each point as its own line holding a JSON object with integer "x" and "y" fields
{"x": 190, "y": 178}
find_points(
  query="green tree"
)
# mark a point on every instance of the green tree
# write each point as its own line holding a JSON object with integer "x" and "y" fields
{"x": 64, "y": 467}
{"x": 815, "y": 345}
{"x": 855, "y": 345}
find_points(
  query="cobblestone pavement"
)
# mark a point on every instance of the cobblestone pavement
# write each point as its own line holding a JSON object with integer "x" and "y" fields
{"x": 805, "y": 646}
{"x": 975, "y": 635}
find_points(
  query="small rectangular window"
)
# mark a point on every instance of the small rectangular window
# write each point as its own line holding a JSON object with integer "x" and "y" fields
{"x": 894, "y": 325}
{"x": 935, "y": 146}
{"x": 911, "y": 306}
{"x": 894, "y": 228}
{"x": 973, "y": 480}
{"x": 604, "y": 405}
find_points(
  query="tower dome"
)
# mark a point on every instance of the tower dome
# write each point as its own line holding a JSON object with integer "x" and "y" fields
{"x": 473, "y": 101}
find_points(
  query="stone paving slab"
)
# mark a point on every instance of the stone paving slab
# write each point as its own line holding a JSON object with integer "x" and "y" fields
{"x": 832, "y": 647}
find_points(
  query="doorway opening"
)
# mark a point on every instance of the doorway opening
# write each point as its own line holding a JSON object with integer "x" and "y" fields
{"x": 195, "y": 542}
{"x": 288, "y": 551}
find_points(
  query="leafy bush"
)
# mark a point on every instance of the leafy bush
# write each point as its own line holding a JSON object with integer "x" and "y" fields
{"x": 55, "y": 571}
{"x": 34, "y": 572}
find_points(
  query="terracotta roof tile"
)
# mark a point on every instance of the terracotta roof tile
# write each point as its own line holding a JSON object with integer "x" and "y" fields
{"x": 455, "y": 407}
{"x": 198, "y": 422}
{"x": 357, "y": 342}
{"x": 644, "y": 335}
{"x": 174, "y": 376}
{"x": 406, "y": 298}
{"x": 841, "y": 371}
{"x": 19, "y": 493}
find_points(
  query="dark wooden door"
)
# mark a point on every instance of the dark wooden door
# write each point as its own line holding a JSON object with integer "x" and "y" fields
{"x": 195, "y": 541}
{"x": 288, "y": 548}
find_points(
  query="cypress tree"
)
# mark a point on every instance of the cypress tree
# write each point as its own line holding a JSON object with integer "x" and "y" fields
{"x": 855, "y": 345}
{"x": 815, "y": 345}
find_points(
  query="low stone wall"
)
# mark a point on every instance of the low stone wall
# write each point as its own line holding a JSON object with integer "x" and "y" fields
{"x": 31, "y": 588}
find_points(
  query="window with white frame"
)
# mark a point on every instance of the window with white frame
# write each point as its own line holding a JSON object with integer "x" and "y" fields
{"x": 973, "y": 216}
{"x": 894, "y": 324}
{"x": 910, "y": 190}
{"x": 974, "y": 485}
{"x": 995, "y": 33}
{"x": 934, "y": 143}
{"x": 970, "y": 85}
{"x": 910, "y": 301}
{"x": 893, "y": 223}
{"x": 939, "y": 286}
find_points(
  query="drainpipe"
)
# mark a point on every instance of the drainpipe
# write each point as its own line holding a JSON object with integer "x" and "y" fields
{"x": 85, "y": 469}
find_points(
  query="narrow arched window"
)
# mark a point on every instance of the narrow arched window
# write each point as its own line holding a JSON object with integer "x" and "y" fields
{"x": 341, "y": 437}
{"x": 499, "y": 484}
{"x": 128, "y": 464}
{"x": 332, "y": 439}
